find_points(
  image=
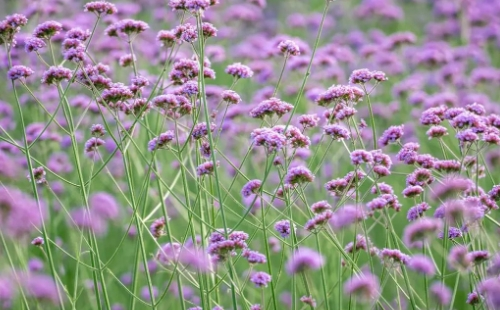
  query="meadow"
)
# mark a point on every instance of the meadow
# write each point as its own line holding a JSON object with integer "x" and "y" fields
{"x": 250, "y": 154}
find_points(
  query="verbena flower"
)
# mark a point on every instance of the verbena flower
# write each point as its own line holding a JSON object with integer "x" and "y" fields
{"x": 19, "y": 72}
{"x": 422, "y": 264}
{"x": 441, "y": 293}
{"x": 100, "y": 7}
{"x": 47, "y": 30}
{"x": 260, "y": 279}
{"x": 55, "y": 75}
{"x": 304, "y": 259}
{"x": 252, "y": 187}
{"x": 283, "y": 227}
{"x": 239, "y": 71}
{"x": 289, "y": 48}
{"x": 298, "y": 175}
{"x": 365, "y": 287}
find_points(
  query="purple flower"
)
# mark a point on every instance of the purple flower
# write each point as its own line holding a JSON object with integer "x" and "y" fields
{"x": 268, "y": 138}
{"x": 420, "y": 230}
{"x": 473, "y": 298}
{"x": 337, "y": 132}
{"x": 186, "y": 33}
{"x": 100, "y": 7}
{"x": 441, "y": 293}
{"x": 33, "y": 44}
{"x": 467, "y": 135}
{"x": 298, "y": 175}
{"x": 251, "y": 187}
{"x": 477, "y": 257}
{"x": 157, "y": 228}
{"x": 453, "y": 232}
{"x": 338, "y": 93}
{"x": 365, "y": 287}
{"x": 408, "y": 153}
{"x": 208, "y": 30}
{"x": 318, "y": 220}
{"x": 308, "y": 300}
{"x": 289, "y": 48}
{"x": 437, "y": 131}
{"x": 362, "y": 243}
{"x": 93, "y": 144}
{"x": 412, "y": 191}
{"x": 239, "y": 71}
{"x": 378, "y": 203}
{"x": 38, "y": 175}
{"x": 41, "y": 287}
{"x": 420, "y": 177}
{"x": 260, "y": 279}
{"x": 78, "y": 34}
{"x": 308, "y": 120}
{"x": 97, "y": 130}
{"x": 19, "y": 72}
{"x": 38, "y": 241}
{"x": 320, "y": 206}
{"x": 104, "y": 205}
{"x": 283, "y": 228}
{"x": 117, "y": 92}
{"x": 196, "y": 5}
{"x": 131, "y": 27}
{"x": 391, "y": 135}
{"x": 254, "y": 257}
{"x": 422, "y": 264}
{"x": 394, "y": 256}
{"x": 207, "y": 168}
{"x": 417, "y": 211}
{"x": 161, "y": 141}
{"x": 458, "y": 258}
{"x": 47, "y": 30}
{"x": 361, "y": 156}
{"x": 201, "y": 130}
{"x": 346, "y": 216}
{"x": 304, "y": 259}
{"x": 168, "y": 253}
{"x": 231, "y": 96}
{"x": 55, "y": 75}
{"x": 270, "y": 107}
{"x": 360, "y": 76}
{"x": 166, "y": 38}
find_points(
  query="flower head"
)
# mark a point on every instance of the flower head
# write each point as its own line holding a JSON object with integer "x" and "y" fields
{"x": 304, "y": 259}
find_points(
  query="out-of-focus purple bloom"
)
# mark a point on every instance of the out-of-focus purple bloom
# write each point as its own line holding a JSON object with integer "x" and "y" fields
{"x": 304, "y": 259}
{"x": 441, "y": 293}
{"x": 418, "y": 231}
{"x": 393, "y": 256}
{"x": 41, "y": 287}
{"x": 422, "y": 264}
{"x": 365, "y": 287}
